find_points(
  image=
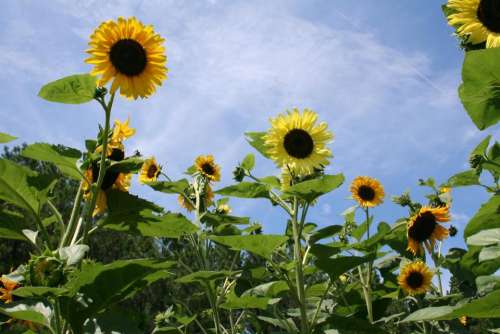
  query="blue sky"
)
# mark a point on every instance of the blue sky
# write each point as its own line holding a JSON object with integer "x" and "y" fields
{"x": 383, "y": 74}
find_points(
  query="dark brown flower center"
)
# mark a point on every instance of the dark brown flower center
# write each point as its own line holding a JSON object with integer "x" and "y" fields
{"x": 488, "y": 12}
{"x": 117, "y": 155}
{"x": 298, "y": 143}
{"x": 208, "y": 168}
{"x": 415, "y": 280}
{"x": 366, "y": 193}
{"x": 424, "y": 226}
{"x": 152, "y": 171}
{"x": 128, "y": 57}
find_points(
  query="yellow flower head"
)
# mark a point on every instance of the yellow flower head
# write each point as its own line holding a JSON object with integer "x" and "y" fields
{"x": 6, "y": 290}
{"x": 424, "y": 228}
{"x": 464, "y": 320}
{"x": 367, "y": 191}
{"x": 206, "y": 165}
{"x": 415, "y": 278}
{"x": 207, "y": 197}
{"x": 130, "y": 54}
{"x": 122, "y": 131}
{"x": 149, "y": 171}
{"x": 476, "y": 20}
{"x": 223, "y": 209}
{"x": 296, "y": 141}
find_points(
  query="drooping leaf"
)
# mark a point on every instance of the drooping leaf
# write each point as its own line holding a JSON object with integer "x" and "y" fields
{"x": 23, "y": 187}
{"x": 481, "y": 148}
{"x": 487, "y": 217}
{"x": 213, "y": 219}
{"x": 74, "y": 89}
{"x": 175, "y": 187}
{"x": 430, "y": 313}
{"x": 260, "y": 244}
{"x": 256, "y": 139}
{"x": 6, "y": 138}
{"x": 245, "y": 190}
{"x": 463, "y": 179}
{"x": 38, "y": 313}
{"x": 480, "y": 89}
{"x": 312, "y": 189}
{"x": 65, "y": 158}
{"x": 336, "y": 266}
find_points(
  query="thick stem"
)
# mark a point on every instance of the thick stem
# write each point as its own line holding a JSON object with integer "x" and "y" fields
{"x": 367, "y": 284}
{"x": 74, "y": 216}
{"x": 299, "y": 273}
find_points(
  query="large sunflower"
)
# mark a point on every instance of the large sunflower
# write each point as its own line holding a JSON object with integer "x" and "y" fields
{"x": 129, "y": 53}
{"x": 367, "y": 191}
{"x": 415, "y": 278}
{"x": 206, "y": 165}
{"x": 424, "y": 228}
{"x": 296, "y": 141}
{"x": 476, "y": 20}
{"x": 149, "y": 171}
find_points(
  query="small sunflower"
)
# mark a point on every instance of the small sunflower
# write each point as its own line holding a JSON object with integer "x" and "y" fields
{"x": 424, "y": 228}
{"x": 223, "y": 209}
{"x": 206, "y": 165}
{"x": 122, "y": 131}
{"x": 6, "y": 290}
{"x": 296, "y": 141}
{"x": 476, "y": 20}
{"x": 415, "y": 278}
{"x": 149, "y": 171}
{"x": 130, "y": 54}
{"x": 367, "y": 191}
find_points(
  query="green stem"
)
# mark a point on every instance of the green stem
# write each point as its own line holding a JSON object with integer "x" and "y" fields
{"x": 102, "y": 166}
{"x": 299, "y": 274}
{"x": 57, "y": 316}
{"x": 58, "y": 216}
{"x": 74, "y": 215}
{"x": 437, "y": 264}
{"x": 367, "y": 284}
{"x": 318, "y": 308}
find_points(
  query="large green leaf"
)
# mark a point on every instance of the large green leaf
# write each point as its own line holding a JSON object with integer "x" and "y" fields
{"x": 336, "y": 266}
{"x": 204, "y": 276}
{"x": 487, "y": 217}
{"x": 485, "y": 237}
{"x": 244, "y": 302}
{"x": 325, "y": 232}
{"x": 95, "y": 287}
{"x": 262, "y": 245}
{"x": 38, "y": 313}
{"x": 65, "y": 158}
{"x": 6, "y": 138}
{"x": 12, "y": 225}
{"x": 463, "y": 179}
{"x": 130, "y": 165}
{"x": 245, "y": 190}
{"x": 481, "y": 148}
{"x": 256, "y": 139}
{"x": 480, "y": 90}
{"x": 131, "y": 214}
{"x": 248, "y": 162}
{"x": 38, "y": 292}
{"x": 344, "y": 325}
{"x": 23, "y": 187}
{"x": 176, "y": 187}
{"x": 213, "y": 219}
{"x": 312, "y": 189}
{"x": 489, "y": 253}
{"x": 74, "y": 89}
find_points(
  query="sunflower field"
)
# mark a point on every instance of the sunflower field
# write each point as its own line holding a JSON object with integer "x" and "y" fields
{"x": 222, "y": 273}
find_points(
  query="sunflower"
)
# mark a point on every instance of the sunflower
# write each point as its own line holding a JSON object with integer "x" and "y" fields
{"x": 206, "y": 165}
{"x": 130, "y": 54}
{"x": 149, "y": 171}
{"x": 207, "y": 197}
{"x": 223, "y": 209}
{"x": 367, "y": 191}
{"x": 415, "y": 278}
{"x": 476, "y": 20}
{"x": 8, "y": 287}
{"x": 296, "y": 141}
{"x": 423, "y": 227}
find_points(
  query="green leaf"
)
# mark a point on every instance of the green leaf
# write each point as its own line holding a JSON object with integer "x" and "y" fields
{"x": 352, "y": 325}
{"x": 131, "y": 214}
{"x": 336, "y": 266}
{"x": 244, "y": 302}
{"x": 481, "y": 148}
{"x": 256, "y": 139}
{"x": 73, "y": 254}
{"x": 486, "y": 284}
{"x": 479, "y": 91}
{"x": 463, "y": 179}
{"x": 65, "y": 158}
{"x": 213, "y": 219}
{"x": 286, "y": 324}
{"x": 430, "y": 313}
{"x": 325, "y": 232}
{"x": 176, "y": 187}
{"x": 23, "y": 187}
{"x": 487, "y": 217}
{"x": 38, "y": 292}
{"x": 485, "y": 237}
{"x": 312, "y": 189}
{"x": 245, "y": 190}
{"x": 6, "y": 138}
{"x": 260, "y": 244}
{"x": 130, "y": 165}
{"x": 37, "y": 313}
{"x": 270, "y": 289}
{"x": 12, "y": 225}
{"x": 75, "y": 89}
{"x": 114, "y": 321}
{"x": 489, "y": 253}
{"x": 249, "y": 162}
{"x": 100, "y": 286}
{"x": 204, "y": 276}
